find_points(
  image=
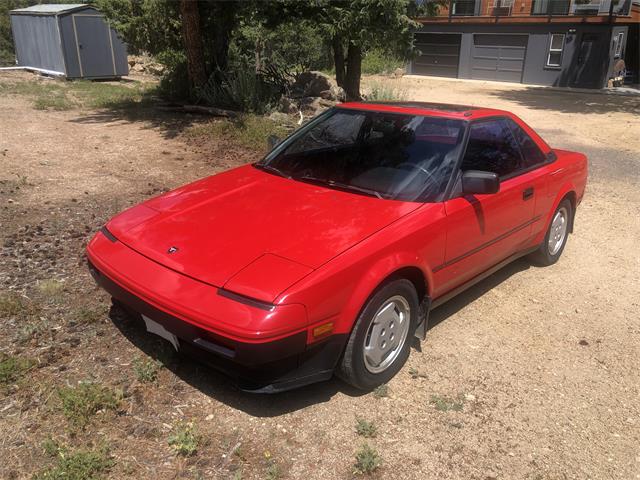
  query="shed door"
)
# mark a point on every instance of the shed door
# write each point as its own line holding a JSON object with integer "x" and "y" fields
{"x": 440, "y": 54}
{"x": 498, "y": 57}
{"x": 94, "y": 46}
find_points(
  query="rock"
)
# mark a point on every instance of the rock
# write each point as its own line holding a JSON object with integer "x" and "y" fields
{"x": 311, "y": 106}
{"x": 399, "y": 73}
{"x": 338, "y": 93}
{"x": 280, "y": 117}
{"x": 312, "y": 83}
{"x": 327, "y": 95}
{"x": 287, "y": 105}
{"x": 154, "y": 68}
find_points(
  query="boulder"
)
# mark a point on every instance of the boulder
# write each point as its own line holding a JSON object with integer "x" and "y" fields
{"x": 154, "y": 68}
{"x": 286, "y": 105}
{"x": 281, "y": 118}
{"x": 399, "y": 73}
{"x": 327, "y": 95}
{"x": 312, "y": 83}
{"x": 311, "y": 106}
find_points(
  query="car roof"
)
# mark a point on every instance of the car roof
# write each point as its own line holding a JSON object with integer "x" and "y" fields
{"x": 464, "y": 112}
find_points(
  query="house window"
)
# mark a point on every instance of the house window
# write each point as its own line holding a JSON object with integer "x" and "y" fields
{"x": 556, "y": 45}
{"x": 619, "y": 40}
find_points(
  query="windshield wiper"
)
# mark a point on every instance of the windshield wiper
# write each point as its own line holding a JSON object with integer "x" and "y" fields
{"x": 341, "y": 186}
{"x": 269, "y": 168}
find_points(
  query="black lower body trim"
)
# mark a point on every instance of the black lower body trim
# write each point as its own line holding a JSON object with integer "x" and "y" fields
{"x": 265, "y": 367}
{"x": 478, "y": 278}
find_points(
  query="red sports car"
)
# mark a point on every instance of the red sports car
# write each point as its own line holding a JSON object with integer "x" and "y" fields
{"x": 327, "y": 255}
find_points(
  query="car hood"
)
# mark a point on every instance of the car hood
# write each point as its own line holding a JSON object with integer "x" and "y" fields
{"x": 252, "y": 232}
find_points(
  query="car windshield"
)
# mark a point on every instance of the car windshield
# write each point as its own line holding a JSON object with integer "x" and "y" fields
{"x": 387, "y": 155}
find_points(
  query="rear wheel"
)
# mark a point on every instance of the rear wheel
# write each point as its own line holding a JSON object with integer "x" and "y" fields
{"x": 380, "y": 341}
{"x": 556, "y": 237}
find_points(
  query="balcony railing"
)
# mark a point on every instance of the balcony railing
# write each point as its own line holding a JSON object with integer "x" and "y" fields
{"x": 505, "y": 8}
{"x": 579, "y": 7}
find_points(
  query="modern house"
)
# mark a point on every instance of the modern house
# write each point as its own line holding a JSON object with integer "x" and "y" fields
{"x": 564, "y": 43}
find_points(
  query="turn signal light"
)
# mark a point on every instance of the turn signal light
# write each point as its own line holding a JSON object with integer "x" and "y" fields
{"x": 322, "y": 329}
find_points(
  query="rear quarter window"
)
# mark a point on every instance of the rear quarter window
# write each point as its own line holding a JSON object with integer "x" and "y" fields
{"x": 533, "y": 156}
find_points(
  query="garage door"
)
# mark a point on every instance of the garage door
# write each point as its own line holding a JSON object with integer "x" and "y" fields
{"x": 498, "y": 57}
{"x": 440, "y": 54}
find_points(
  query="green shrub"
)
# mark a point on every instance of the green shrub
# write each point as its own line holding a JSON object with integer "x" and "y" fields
{"x": 76, "y": 465}
{"x": 247, "y": 131}
{"x": 184, "y": 439}
{"x": 12, "y": 368}
{"x": 10, "y": 305}
{"x": 381, "y": 391}
{"x": 80, "y": 403}
{"x": 365, "y": 428}
{"x": 446, "y": 404}
{"x": 146, "y": 370}
{"x": 241, "y": 89}
{"x": 367, "y": 460}
{"x": 377, "y": 61}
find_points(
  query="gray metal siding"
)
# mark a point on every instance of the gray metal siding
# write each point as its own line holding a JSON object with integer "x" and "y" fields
{"x": 498, "y": 57}
{"x": 94, "y": 44}
{"x": 37, "y": 42}
{"x": 120, "y": 54}
{"x": 534, "y": 70}
{"x": 49, "y": 41}
{"x": 69, "y": 47}
{"x": 440, "y": 54}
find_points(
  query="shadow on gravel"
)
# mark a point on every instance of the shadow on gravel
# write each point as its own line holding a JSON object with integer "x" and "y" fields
{"x": 216, "y": 385}
{"x": 457, "y": 303}
{"x": 148, "y": 111}
{"x": 568, "y": 101}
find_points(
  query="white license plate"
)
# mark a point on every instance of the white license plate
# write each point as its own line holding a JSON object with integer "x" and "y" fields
{"x": 157, "y": 329}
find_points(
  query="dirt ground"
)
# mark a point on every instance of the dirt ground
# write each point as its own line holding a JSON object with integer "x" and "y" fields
{"x": 532, "y": 374}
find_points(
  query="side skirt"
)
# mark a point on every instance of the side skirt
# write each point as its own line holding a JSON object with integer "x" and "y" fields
{"x": 478, "y": 278}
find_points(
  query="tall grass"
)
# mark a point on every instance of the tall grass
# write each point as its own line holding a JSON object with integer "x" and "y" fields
{"x": 241, "y": 89}
{"x": 385, "y": 92}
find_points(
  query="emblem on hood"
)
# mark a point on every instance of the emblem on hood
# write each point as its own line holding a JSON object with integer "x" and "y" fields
{"x": 172, "y": 250}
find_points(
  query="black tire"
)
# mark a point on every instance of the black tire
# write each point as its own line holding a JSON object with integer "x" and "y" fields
{"x": 544, "y": 256}
{"x": 352, "y": 368}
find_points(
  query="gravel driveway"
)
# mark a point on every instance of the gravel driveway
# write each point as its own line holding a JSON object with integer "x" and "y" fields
{"x": 532, "y": 374}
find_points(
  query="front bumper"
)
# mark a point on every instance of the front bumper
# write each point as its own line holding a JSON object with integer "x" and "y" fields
{"x": 276, "y": 363}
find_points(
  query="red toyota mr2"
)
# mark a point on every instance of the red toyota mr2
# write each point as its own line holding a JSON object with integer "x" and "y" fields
{"x": 327, "y": 255}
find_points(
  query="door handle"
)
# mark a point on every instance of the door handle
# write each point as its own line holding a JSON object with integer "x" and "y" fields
{"x": 527, "y": 193}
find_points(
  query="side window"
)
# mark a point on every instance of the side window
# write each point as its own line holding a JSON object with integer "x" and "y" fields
{"x": 492, "y": 148}
{"x": 532, "y": 154}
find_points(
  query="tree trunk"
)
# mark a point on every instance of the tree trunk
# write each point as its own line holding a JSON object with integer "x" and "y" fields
{"x": 225, "y": 20}
{"x": 338, "y": 59}
{"x": 354, "y": 71}
{"x": 192, "y": 40}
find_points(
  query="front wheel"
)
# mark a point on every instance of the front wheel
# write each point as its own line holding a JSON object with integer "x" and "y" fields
{"x": 380, "y": 341}
{"x": 556, "y": 237}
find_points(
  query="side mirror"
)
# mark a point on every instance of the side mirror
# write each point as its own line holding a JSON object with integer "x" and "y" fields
{"x": 477, "y": 182}
{"x": 272, "y": 141}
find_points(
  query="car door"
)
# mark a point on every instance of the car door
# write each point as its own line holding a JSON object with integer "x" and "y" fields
{"x": 482, "y": 230}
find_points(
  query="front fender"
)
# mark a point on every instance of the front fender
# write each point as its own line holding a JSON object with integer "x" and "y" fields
{"x": 380, "y": 271}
